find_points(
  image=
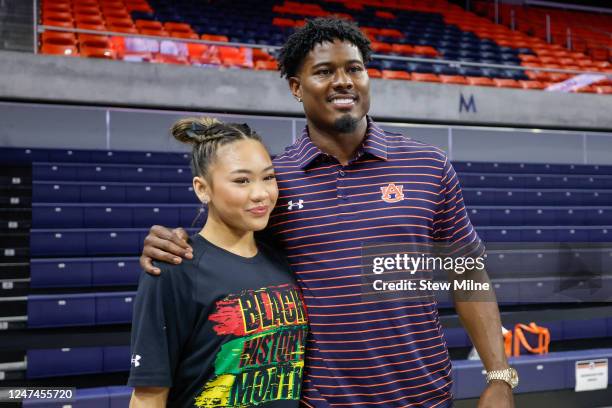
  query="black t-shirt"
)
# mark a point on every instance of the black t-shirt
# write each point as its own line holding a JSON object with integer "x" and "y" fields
{"x": 221, "y": 330}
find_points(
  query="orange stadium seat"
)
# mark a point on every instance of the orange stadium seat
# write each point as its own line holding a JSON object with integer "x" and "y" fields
{"x": 97, "y": 52}
{"x": 171, "y": 26}
{"x": 57, "y": 15}
{"x": 381, "y": 47}
{"x": 390, "y": 32}
{"x": 214, "y": 37}
{"x": 453, "y": 79}
{"x": 374, "y": 73}
{"x": 385, "y": 14}
{"x": 417, "y": 76}
{"x": 58, "y": 22}
{"x": 148, "y": 24}
{"x": 528, "y": 58}
{"x": 506, "y": 83}
{"x": 123, "y": 29}
{"x": 93, "y": 27}
{"x": 91, "y": 22}
{"x": 283, "y": 22}
{"x": 266, "y": 65}
{"x": 183, "y": 34}
{"x": 54, "y": 49}
{"x": 87, "y": 12}
{"x": 157, "y": 33}
{"x": 196, "y": 50}
{"x": 402, "y": 49}
{"x": 97, "y": 41}
{"x": 261, "y": 55}
{"x": 480, "y": 81}
{"x": 425, "y": 50}
{"x": 116, "y": 13}
{"x": 387, "y": 74}
{"x": 57, "y": 7}
{"x": 532, "y": 85}
{"x": 586, "y": 89}
{"x": 119, "y": 21}
{"x": 603, "y": 89}
{"x": 169, "y": 59}
{"x": 58, "y": 37}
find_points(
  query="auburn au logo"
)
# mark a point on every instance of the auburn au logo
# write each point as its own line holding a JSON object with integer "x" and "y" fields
{"x": 392, "y": 193}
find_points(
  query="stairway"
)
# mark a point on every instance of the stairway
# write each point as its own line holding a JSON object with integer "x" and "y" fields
{"x": 16, "y": 25}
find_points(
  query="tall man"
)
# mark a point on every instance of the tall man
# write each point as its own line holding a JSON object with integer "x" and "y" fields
{"x": 344, "y": 184}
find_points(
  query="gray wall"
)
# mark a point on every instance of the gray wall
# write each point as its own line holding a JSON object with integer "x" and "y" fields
{"x": 77, "y": 127}
{"x": 52, "y": 79}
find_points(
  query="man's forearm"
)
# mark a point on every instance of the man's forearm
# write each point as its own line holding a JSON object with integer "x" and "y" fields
{"x": 480, "y": 317}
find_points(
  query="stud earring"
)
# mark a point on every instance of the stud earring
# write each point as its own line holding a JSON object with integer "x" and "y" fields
{"x": 299, "y": 99}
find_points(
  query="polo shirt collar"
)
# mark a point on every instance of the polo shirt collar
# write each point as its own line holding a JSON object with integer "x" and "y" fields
{"x": 375, "y": 143}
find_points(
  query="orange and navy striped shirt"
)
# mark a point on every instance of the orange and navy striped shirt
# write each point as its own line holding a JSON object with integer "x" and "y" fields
{"x": 369, "y": 353}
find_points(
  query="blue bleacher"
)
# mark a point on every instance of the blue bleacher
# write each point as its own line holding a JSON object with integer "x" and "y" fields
{"x": 99, "y": 397}
{"x": 86, "y": 309}
{"x": 45, "y": 363}
{"x": 554, "y": 371}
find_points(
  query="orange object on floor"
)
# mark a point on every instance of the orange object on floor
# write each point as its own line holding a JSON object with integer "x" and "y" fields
{"x": 508, "y": 342}
{"x": 520, "y": 340}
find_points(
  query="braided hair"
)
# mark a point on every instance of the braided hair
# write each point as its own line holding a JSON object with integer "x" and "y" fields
{"x": 206, "y": 135}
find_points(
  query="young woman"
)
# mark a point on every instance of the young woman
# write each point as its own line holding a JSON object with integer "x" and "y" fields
{"x": 226, "y": 328}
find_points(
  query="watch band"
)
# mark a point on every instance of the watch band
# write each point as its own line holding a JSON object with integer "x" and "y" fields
{"x": 509, "y": 375}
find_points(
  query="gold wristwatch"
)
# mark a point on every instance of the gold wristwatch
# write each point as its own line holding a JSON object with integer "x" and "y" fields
{"x": 508, "y": 375}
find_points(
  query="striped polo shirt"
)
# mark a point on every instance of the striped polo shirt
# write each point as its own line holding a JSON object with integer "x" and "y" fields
{"x": 381, "y": 352}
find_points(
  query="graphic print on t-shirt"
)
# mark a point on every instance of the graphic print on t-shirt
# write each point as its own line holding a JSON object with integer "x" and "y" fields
{"x": 265, "y": 363}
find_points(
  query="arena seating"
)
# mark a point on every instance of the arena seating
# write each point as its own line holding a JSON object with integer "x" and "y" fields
{"x": 84, "y": 264}
{"x": 586, "y": 29}
{"x": 431, "y": 29}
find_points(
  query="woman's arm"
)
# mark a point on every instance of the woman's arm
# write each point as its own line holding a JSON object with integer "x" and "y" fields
{"x": 149, "y": 397}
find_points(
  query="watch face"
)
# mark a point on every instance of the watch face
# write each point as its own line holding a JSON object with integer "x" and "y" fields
{"x": 514, "y": 380}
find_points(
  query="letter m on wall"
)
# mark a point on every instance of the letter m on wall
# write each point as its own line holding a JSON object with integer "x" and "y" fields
{"x": 469, "y": 105}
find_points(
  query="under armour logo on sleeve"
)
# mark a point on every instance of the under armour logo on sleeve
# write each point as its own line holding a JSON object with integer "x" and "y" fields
{"x": 136, "y": 360}
{"x": 299, "y": 205}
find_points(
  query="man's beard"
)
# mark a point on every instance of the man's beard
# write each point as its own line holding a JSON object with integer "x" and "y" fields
{"x": 346, "y": 124}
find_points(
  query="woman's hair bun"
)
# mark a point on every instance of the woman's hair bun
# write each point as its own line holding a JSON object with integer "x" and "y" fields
{"x": 197, "y": 130}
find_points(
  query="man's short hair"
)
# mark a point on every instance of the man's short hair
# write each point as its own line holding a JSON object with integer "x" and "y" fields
{"x": 318, "y": 31}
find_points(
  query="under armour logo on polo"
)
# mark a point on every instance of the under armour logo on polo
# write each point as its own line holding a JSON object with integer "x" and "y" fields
{"x": 299, "y": 205}
{"x": 136, "y": 360}
{"x": 392, "y": 193}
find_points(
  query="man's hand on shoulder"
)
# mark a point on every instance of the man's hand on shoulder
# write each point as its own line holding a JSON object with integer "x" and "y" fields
{"x": 498, "y": 394}
{"x": 166, "y": 245}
